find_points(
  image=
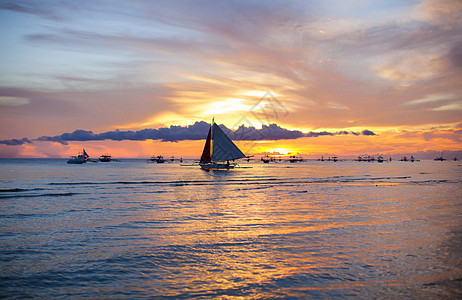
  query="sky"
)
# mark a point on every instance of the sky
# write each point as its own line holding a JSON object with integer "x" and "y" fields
{"x": 141, "y": 78}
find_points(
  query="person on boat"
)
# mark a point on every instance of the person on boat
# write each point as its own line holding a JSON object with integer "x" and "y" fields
{"x": 227, "y": 164}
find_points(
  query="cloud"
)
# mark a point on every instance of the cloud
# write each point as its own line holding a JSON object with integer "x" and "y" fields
{"x": 13, "y": 101}
{"x": 451, "y": 107}
{"x": 367, "y": 132}
{"x": 197, "y": 131}
{"x": 455, "y": 55}
{"x": 30, "y": 8}
{"x": 166, "y": 134}
{"x": 431, "y": 98}
{"x": 271, "y": 132}
{"x": 15, "y": 142}
{"x": 329, "y": 64}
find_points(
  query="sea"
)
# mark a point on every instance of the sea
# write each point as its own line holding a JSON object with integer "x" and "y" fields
{"x": 133, "y": 229}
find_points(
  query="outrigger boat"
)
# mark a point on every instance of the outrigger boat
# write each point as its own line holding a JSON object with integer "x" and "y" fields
{"x": 219, "y": 150}
{"x": 79, "y": 159}
{"x": 265, "y": 159}
{"x": 440, "y": 158}
{"x": 159, "y": 159}
{"x": 105, "y": 158}
{"x": 294, "y": 159}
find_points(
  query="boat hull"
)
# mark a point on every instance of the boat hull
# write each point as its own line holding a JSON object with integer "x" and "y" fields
{"x": 80, "y": 159}
{"x": 105, "y": 158}
{"x": 216, "y": 166}
{"x": 76, "y": 161}
{"x": 158, "y": 159}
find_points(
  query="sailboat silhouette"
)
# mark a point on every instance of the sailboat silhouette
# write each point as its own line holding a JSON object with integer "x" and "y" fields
{"x": 218, "y": 149}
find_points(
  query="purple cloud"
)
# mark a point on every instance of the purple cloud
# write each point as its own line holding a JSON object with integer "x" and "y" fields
{"x": 15, "y": 142}
{"x": 367, "y": 132}
{"x": 455, "y": 55}
{"x": 197, "y": 131}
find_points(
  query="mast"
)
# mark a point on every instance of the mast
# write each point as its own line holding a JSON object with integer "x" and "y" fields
{"x": 212, "y": 139}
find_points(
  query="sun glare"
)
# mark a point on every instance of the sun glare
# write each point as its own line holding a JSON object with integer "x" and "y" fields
{"x": 259, "y": 94}
{"x": 226, "y": 106}
{"x": 164, "y": 119}
{"x": 282, "y": 151}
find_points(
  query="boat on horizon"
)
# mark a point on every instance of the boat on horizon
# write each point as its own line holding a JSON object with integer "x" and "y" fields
{"x": 219, "y": 149}
{"x": 105, "y": 158}
{"x": 294, "y": 159}
{"x": 81, "y": 158}
{"x": 265, "y": 159}
{"x": 366, "y": 158}
{"x": 158, "y": 159}
{"x": 440, "y": 158}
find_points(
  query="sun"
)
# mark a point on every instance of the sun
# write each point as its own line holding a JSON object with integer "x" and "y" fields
{"x": 281, "y": 151}
{"x": 227, "y": 106}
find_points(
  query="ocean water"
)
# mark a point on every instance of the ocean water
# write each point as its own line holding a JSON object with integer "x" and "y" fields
{"x": 133, "y": 229}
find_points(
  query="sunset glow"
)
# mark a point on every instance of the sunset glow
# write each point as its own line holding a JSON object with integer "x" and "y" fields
{"x": 330, "y": 70}
{"x": 281, "y": 151}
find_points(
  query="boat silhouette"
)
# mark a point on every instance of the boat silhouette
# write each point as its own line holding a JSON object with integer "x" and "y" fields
{"x": 81, "y": 158}
{"x": 219, "y": 149}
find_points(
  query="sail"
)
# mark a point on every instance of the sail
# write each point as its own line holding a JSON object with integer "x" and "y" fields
{"x": 206, "y": 157}
{"x": 223, "y": 147}
{"x": 85, "y": 154}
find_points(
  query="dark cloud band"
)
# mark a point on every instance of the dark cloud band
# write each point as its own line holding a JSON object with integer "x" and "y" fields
{"x": 15, "y": 142}
{"x": 197, "y": 131}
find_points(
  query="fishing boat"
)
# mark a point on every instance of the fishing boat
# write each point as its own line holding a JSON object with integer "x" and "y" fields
{"x": 81, "y": 158}
{"x": 105, "y": 158}
{"x": 219, "y": 149}
{"x": 265, "y": 159}
{"x": 294, "y": 159}
{"x": 158, "y": 159}
{"x": 440, "y": 158}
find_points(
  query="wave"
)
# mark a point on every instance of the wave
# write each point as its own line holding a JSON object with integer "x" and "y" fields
{"x": 39, "y": 195}
{"x": 174, "y": 182}
{"x": 17, "y": 190}
{"x": 260, "y": 182}
{"x": 254, "y": 181}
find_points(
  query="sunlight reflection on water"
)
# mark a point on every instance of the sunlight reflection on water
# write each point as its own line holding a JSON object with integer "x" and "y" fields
{"x": 308, "y": 230}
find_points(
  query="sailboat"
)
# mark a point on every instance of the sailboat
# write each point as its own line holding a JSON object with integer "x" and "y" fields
{"x": 219, "y": 150}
